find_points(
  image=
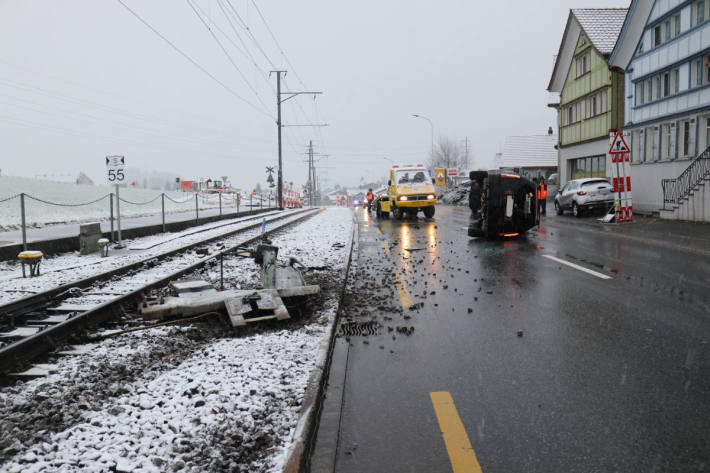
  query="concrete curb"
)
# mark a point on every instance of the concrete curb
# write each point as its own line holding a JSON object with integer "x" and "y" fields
{"x": 305, "y": 431}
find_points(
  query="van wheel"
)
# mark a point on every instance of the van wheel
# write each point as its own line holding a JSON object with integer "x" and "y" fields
{"x": 558, "y": 209}
{"x": 398, "y": 213}
{"x": 378, "y": 212}
{"x": 429, "y": 211}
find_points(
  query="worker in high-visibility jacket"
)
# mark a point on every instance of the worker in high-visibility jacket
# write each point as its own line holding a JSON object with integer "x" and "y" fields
{"x": 370, "y": 197}
{"x": 543, "y": 196}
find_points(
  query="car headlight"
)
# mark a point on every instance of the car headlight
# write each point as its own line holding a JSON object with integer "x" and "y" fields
{"x": 403, "y": 197}
{"x": 430, "y": 197}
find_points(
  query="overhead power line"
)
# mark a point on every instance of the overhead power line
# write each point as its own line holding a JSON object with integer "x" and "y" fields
{"x": 229, "y": 57}
{"x": 193, "y": 62}
{"x": 292, "y": 69}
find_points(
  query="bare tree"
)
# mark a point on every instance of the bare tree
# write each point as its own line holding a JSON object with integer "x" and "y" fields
{"x": 449, "y": 154}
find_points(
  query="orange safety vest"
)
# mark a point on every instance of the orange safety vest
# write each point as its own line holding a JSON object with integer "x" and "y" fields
{"x": 543, "y": 190}
{"x": 370, "y": 196}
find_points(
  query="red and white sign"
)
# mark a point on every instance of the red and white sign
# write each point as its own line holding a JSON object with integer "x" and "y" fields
{"x": 618, "y": 145}
{"x": 619, "y": 155}
{"x": 452, "y": 172}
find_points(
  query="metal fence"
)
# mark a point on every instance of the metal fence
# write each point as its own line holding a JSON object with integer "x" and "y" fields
{"x": 206, "y": 201}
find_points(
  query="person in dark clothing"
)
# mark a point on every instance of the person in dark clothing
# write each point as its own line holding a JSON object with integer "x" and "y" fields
{"x": 474, "y": 198}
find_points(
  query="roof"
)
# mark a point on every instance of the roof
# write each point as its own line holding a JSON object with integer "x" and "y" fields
{"x": 529, "y": 152}
{"x": 631, "y": 33}
{"x": 601, "y": 25}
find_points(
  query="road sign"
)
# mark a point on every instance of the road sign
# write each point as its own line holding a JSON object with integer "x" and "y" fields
{"x": 440, "y": 174}
{"x": 618, "y": 145}
{"x": 114, "y": 166}
{"x": 453, "y": 172}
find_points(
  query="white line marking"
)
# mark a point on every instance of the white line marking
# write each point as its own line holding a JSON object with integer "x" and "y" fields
{"x": 576, "y": 266}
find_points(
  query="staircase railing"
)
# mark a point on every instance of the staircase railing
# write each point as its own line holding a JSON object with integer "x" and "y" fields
{"x": 674, "y": 190}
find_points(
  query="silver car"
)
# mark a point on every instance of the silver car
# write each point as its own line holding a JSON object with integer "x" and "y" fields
{"x": 580, "y": 195}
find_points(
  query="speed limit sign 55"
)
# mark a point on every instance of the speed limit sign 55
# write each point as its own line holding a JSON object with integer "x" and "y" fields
{"x": 114, "y": 166}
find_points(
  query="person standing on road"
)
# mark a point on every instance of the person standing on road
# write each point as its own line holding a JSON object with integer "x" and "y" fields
{"x": 370, "y": 197}
{"x": 474, "y": 198}
{"x": 543, "y": 196}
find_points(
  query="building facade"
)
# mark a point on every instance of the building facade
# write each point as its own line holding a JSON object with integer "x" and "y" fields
{"x": 591, "y": 94}
{"x": 664, "y": 49}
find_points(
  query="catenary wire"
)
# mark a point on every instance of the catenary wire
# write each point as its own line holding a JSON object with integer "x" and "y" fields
{"x": 193, "y": 62}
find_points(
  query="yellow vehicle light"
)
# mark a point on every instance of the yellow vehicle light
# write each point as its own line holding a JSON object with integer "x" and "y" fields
{"x": 430, "y": 197}
{"x": 403, "y": 197}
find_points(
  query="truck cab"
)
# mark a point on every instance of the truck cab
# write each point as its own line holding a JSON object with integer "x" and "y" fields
{"x": 409, "y": 190}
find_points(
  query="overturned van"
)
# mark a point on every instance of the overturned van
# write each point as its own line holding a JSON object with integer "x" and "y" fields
{"x": 507, "y": 207}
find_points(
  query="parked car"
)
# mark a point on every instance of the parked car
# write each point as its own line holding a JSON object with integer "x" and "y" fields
{"x": 552, "y": 180}
{"x": 580, "y": 195}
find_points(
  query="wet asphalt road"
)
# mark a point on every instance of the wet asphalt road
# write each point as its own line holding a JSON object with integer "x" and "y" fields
{"x": 550, "y": 368}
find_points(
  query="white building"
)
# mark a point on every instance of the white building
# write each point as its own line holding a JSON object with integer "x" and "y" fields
{"x": 532, "y": 155}
{"x": 664, "y": 48}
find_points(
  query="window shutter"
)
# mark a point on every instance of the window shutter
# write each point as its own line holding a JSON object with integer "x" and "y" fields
{"x": 656, "y": 143}
{"x": 674, "y": 133}
{"x": 691, "y": 139}
{"x": 642, "y": 145}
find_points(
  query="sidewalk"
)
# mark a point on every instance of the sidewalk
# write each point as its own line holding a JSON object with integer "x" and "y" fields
{"x": 693, "y": 236}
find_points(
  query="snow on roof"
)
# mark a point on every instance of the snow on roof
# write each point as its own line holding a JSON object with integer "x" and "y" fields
{"x": 529, "y": 151}
{"x": 601, "y": 25}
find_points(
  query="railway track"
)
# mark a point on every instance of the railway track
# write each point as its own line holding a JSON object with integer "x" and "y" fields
{"x": 40, "y": 323}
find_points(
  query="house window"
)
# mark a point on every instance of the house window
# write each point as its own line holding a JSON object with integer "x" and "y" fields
{"x": 638, "y": 94}
{"x": 583, "y": 63}
{"x": 676, "y": 23}
{"x": 685, "y": 141}
{"x": 649, "y": 91}
{"x": 636, "y": 138}
{"x": 674, "y": 81}
{"x": 588, "y": 167}
{"x": 649, "y": 146}
{"x": 666, "y": 141}
{"x": 667, "y": 29}
{"x": 657, "y": 36}
{"x": 666, "y": 87}
{"x": 698, "y": 12}
{"x": 603, "y": 101}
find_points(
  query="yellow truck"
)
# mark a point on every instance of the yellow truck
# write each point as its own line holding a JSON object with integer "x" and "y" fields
{"x": 410, "y": 189}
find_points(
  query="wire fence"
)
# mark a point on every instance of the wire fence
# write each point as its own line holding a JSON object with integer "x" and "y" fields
{"x": 32, "y": 211}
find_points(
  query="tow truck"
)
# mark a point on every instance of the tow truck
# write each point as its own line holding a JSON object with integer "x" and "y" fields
{"x": 508, "y": 205}
{"x": 410, "y": 189}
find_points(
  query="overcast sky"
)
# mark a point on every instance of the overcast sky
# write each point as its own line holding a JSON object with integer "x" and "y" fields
{"x": 81, "y": 79}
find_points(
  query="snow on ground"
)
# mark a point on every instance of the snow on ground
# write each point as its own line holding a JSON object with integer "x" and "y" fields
{"x": 199, "y": 398}
{"x": 68, "y": 267}
{"x": 39, "y": 214}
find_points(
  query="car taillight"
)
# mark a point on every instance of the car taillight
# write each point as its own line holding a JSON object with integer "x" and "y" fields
{"x": 581, "y": 193}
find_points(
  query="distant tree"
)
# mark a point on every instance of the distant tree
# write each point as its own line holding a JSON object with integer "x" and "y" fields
{"x": 449, "y": 154}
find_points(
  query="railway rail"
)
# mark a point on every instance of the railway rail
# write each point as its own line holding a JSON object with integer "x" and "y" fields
{"x": 42, "y": 322}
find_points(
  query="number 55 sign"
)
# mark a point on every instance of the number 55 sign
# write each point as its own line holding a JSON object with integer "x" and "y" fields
{"x": 114, "y": 165}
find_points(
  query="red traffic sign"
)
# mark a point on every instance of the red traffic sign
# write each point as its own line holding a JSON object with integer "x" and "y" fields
{"x": 618, "y": 146}
{"x": 452, "y": 172}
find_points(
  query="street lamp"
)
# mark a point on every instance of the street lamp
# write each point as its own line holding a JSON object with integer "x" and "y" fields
{"x": 432, "y": 131}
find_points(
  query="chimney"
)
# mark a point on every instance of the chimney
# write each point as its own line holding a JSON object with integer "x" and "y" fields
{"x": 549, "y": 130}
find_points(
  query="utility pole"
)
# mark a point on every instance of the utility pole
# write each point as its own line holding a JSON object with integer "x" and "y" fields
{"x": 466, "y": 155}
{"x": 279, "y": 125}
{"x": 311, "y": 173}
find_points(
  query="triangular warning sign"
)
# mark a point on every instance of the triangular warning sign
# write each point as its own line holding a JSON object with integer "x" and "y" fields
{"x": 619, "y": 146}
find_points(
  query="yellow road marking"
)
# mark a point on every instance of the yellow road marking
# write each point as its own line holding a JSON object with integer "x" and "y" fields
{"x": 404, "y": 297}
{"x": 463, "y": 458}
